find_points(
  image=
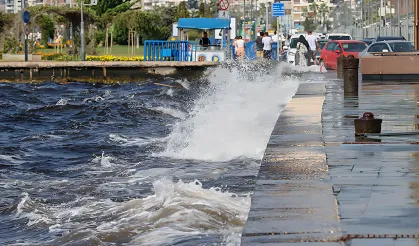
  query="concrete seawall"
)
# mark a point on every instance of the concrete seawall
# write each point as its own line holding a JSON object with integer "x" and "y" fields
{"x": 292, "y": 202}
{"x": 95, "y": 71}
{"x": 318, "y": 184}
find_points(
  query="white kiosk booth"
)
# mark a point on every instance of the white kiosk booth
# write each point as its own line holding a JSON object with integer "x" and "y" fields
{"x": 211, "y": 52}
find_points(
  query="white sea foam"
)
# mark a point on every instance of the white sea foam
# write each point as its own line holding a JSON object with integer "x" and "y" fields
{"x": 233, "y": 118}
{"x": 174, "y": 211}
{"x": 170, "y": 111}
{"x": 62, "y": 102}
{"x": 185, "y": 84}
{"x": 129, "y": 141}
{"x": 11, "y": 159}
{"x": 104, "y": 160}
{"x": 169, "y": 92}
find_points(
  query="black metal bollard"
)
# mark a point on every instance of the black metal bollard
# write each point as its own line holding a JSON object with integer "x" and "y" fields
{"x": 339, "y": 69}
{"x": 367, "y": 124}
{"x": 350, "y": 75}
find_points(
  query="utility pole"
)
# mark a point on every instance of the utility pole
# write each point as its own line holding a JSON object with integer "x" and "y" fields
{"x": 267, "y": 16}
{"x": 381, "y": 22}
{"x": 362, "y": 19}
{"x": 83, "y": 50}
{"x": 398, "y": 18}
{"x": 278, "y": 32}
{"x": 391, "y": 19}
{"x": 407, "y": 21}
{"x": 416, "y": 22}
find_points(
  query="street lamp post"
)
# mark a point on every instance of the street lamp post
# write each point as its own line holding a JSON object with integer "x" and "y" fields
{"x": 83, "y": 49}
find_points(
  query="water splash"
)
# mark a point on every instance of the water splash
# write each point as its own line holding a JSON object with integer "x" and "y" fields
{"x": 170, "y": 111}
{"x": 175, "y": 211}
{"x": 234, "y": 117}
{"x": 104, "y": 160}
{"x": 62, "y": 102}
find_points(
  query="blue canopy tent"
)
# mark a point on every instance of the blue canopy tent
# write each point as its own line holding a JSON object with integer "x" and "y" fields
{"x": 203, "y": 23}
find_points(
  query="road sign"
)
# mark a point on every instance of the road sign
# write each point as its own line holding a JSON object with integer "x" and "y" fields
{"x": 224, "y": 4}
{"x": 26, "y": 17}
{"x": 223, "y": 14}
{"x": 27, "y": 29}
{"x": 278, "y": 9}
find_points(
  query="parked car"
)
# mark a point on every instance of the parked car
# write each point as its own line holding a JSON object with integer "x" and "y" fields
{"x": 388, "y": 46}
{"x": 333, "y": 49}
{"x": 368, "y": 41}
{"x": 292, "y": 48}
{"x": 320, "y": 44}
{"x": 338, "y": 36}
{"x": 388, "y": 38}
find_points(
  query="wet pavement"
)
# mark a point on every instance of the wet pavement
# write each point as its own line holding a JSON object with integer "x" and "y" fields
{"x": 319, "y": 185}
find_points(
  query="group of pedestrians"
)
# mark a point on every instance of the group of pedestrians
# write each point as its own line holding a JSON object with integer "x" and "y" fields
{"x": 263, "y": 45}
{"x": 306, "y": 49}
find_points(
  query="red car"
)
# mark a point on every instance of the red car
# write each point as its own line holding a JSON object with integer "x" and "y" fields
{"x": 333, "y": 49}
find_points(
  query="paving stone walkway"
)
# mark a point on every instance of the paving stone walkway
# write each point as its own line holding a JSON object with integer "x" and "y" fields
{"x": 319, "y": 185}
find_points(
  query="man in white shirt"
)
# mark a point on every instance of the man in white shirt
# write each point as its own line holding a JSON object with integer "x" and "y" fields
{"x": 267, "y": 46}
{"x": 312, "y": 42}
{"x": 275, "y": 37}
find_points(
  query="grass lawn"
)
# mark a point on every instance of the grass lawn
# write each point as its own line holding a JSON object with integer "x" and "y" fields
{"x": 122, "y": 50}
{"x": 117, "y": 50}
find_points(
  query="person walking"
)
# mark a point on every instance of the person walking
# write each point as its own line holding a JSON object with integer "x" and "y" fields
{"x": 312, "y": 42}
{"x": 240, "y": 44}
{"x": 275, "y": 37}
{"x": 302, "y": 50}
{"x": 259, "y": 45}
{"x": 267, "y": 46}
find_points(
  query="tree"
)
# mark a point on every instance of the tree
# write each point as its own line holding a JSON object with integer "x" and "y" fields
{"x": 305, "y": 12}
{"x": 5, "y": 21}
{"x": 309, "y": 24}
{"x": 201, "y": 10}
{"x": 47, "y": 27}
{"x": 104, "y": 5}
{"x": 314, "y": 8}
{"x": 183, "y": 10}
{"x": 323, "y": 11}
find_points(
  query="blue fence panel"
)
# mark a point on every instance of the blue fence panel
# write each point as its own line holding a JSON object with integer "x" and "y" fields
{"x": 250, "y": 52}
{"x": 161, "y": 50}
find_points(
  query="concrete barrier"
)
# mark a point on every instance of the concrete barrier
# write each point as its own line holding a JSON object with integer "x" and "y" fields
{"x": 390, "y": 66}
{"x": 21, "y": 57}
{"x": 96, "y": 71}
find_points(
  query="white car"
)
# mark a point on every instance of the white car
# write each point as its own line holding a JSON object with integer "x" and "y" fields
{"x": 388, "y": 46}
{"x": 292, "y": 48}
{"x": 338, "y": 36}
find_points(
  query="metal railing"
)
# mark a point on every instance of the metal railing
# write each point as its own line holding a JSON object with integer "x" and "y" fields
{"x": 374, "y": 31}
{"x": 161, "y": 50}
{"x": 250, "y": 53}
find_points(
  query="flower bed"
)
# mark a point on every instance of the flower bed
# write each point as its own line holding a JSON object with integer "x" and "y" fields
{"x": 114, "y": 58}
{"x": 62, "y": 57}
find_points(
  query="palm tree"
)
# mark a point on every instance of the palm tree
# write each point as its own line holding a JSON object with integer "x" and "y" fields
{"x": 323, "y": 11}
{"x": 305, "y": 12}
{"x": 314, "y": 8}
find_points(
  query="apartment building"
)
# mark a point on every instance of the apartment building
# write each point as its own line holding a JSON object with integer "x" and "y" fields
{"x": 150, "y": 4}
{"x": 35, "y": 2}
{"x": 13, "y": 6}
{"x": 59, "y": 2}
